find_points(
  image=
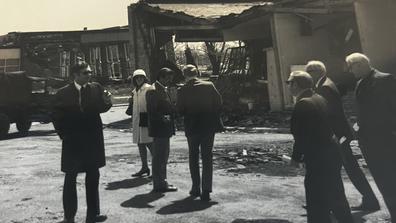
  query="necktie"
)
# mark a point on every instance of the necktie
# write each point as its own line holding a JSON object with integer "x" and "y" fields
{"x": 84, "y": 97}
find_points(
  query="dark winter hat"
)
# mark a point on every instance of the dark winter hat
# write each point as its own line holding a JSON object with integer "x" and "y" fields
{"x": 164, "y": 72}
{"x": 190, "y": 71}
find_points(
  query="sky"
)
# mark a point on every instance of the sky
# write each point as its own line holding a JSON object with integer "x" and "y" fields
{"x": 59, "y": 15}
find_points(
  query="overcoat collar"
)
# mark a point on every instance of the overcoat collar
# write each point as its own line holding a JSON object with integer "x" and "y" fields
{"x": 304, "y": 94}
{"x": 364, "y": 82}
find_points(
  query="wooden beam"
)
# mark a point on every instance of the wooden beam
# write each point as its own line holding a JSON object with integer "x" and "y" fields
{"x": 283, "y": 2}
{"x": 197, "y": 39}
{"x": 329, "y": 3}
{"x": 301, "y": 10}
{"x": 187, "y": 27}
{"x": 306, "y": 10}
{"x": 172, "y": 14}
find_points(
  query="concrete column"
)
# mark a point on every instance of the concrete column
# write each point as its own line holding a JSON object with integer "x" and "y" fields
{"x": 293, "y": 48}
{"x": 377, "y": 29}
{"x": 139, "y": 41}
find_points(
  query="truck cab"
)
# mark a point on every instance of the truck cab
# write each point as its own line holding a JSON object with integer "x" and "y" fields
{"x": 25, "y": 99}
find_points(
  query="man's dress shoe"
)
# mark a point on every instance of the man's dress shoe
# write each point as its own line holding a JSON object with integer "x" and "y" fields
{"x": 97, "y": 218}
{"x": 205, "y": 196}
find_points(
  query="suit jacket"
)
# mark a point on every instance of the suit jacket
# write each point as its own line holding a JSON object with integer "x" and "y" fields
{"x": 160, "y": 112}
{"x": 328, "y": 90}
{"x": 376, "y": 103}
{"x": 200, "y": 103}
{"x": 80, "y": 127}
{"x": 314, "y": 141}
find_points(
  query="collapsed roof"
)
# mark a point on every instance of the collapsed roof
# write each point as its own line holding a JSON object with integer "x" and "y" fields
{"x": 210, "y": 21}
{"x": 211, "y": 12}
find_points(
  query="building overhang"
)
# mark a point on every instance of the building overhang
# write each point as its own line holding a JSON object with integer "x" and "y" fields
{"x": 228, "y": 21}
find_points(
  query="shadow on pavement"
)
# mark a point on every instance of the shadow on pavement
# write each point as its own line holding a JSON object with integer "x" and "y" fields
{"x": 34, "y": 133}
{"x": 128, "y": 183}
{"x": 142, "y": 200}
{"x": 260, "y": 221}
{"x": 122, "y": 124}
{"x": 188, "y": 204}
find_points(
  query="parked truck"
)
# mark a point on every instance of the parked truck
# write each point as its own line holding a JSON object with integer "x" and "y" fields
{"x": 15, "y": 96}
{"x": 24, "y": 99}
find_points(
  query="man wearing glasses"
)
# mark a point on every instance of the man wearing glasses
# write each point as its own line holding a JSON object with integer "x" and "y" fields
{"x": 316, "y": 146}
{"x": 77, "y": 121}
{"x": 376, "y": 127}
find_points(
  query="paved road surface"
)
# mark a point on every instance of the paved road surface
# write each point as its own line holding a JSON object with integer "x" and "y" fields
{"x": 31, "y": 182}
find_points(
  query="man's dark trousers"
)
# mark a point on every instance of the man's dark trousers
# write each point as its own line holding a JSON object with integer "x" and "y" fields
{"x": 160, "y": 159}
{"x": 325, "y": 191}
{"x": 327, "y": 89}
{"x": 356, "y": 174}
{"x": 205, "y": 142}
{"x": 92, "y": 194}
{"x": 375, "y": 149}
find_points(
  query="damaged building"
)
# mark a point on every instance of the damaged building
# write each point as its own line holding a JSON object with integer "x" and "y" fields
{"x": 51, "y": 54}
{"x": 278, "y": 36}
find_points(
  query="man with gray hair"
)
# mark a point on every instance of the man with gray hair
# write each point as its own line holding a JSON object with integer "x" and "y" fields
{"x": 316, "y": 146}
{"x": 325, "y": 87}
{"x": 200, "y": 103}
{"x": 376, "y": 103}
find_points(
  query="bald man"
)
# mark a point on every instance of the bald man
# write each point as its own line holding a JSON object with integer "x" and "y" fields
{"x": 376, "y": 102}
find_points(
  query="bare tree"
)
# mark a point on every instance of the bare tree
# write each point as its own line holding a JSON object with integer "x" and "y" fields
{"x": 215, "y": 52}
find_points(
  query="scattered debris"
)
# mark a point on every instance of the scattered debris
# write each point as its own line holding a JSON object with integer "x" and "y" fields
{"x": 251, "y": 158}
{"x": 273, "y": 120}
{"x": 272, "y": 158}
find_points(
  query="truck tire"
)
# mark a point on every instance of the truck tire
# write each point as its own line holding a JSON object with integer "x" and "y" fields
{"x": 23, "y": 126}
{"x": 4, "y": 125}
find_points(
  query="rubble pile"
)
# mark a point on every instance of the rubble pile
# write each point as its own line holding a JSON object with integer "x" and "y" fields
{"x": 242, "y": 93}
{"x": 267, "y": 119}
{"x": 269, "y": 159}
{"x": 252, "y": 154}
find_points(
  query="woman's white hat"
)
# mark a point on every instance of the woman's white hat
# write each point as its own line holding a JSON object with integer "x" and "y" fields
{"x": 139, "y": 72}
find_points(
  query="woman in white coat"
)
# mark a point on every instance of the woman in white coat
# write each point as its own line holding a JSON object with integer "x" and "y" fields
{"x": 139, "y": 119}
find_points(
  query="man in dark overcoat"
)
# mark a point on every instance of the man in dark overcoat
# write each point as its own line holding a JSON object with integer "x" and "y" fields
{"x": 78, "y": 123}
{"x": 160, "y": 111}
{"x": 376, "y": 103}
{"x": 325, "y": 87}
{"x": 200, "y": 103}
{"x": 316, "y": 146}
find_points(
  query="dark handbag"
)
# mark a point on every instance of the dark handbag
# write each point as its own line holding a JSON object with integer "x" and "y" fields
{"x": 143, "y": 119}
{"x": 129, "y": 110}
